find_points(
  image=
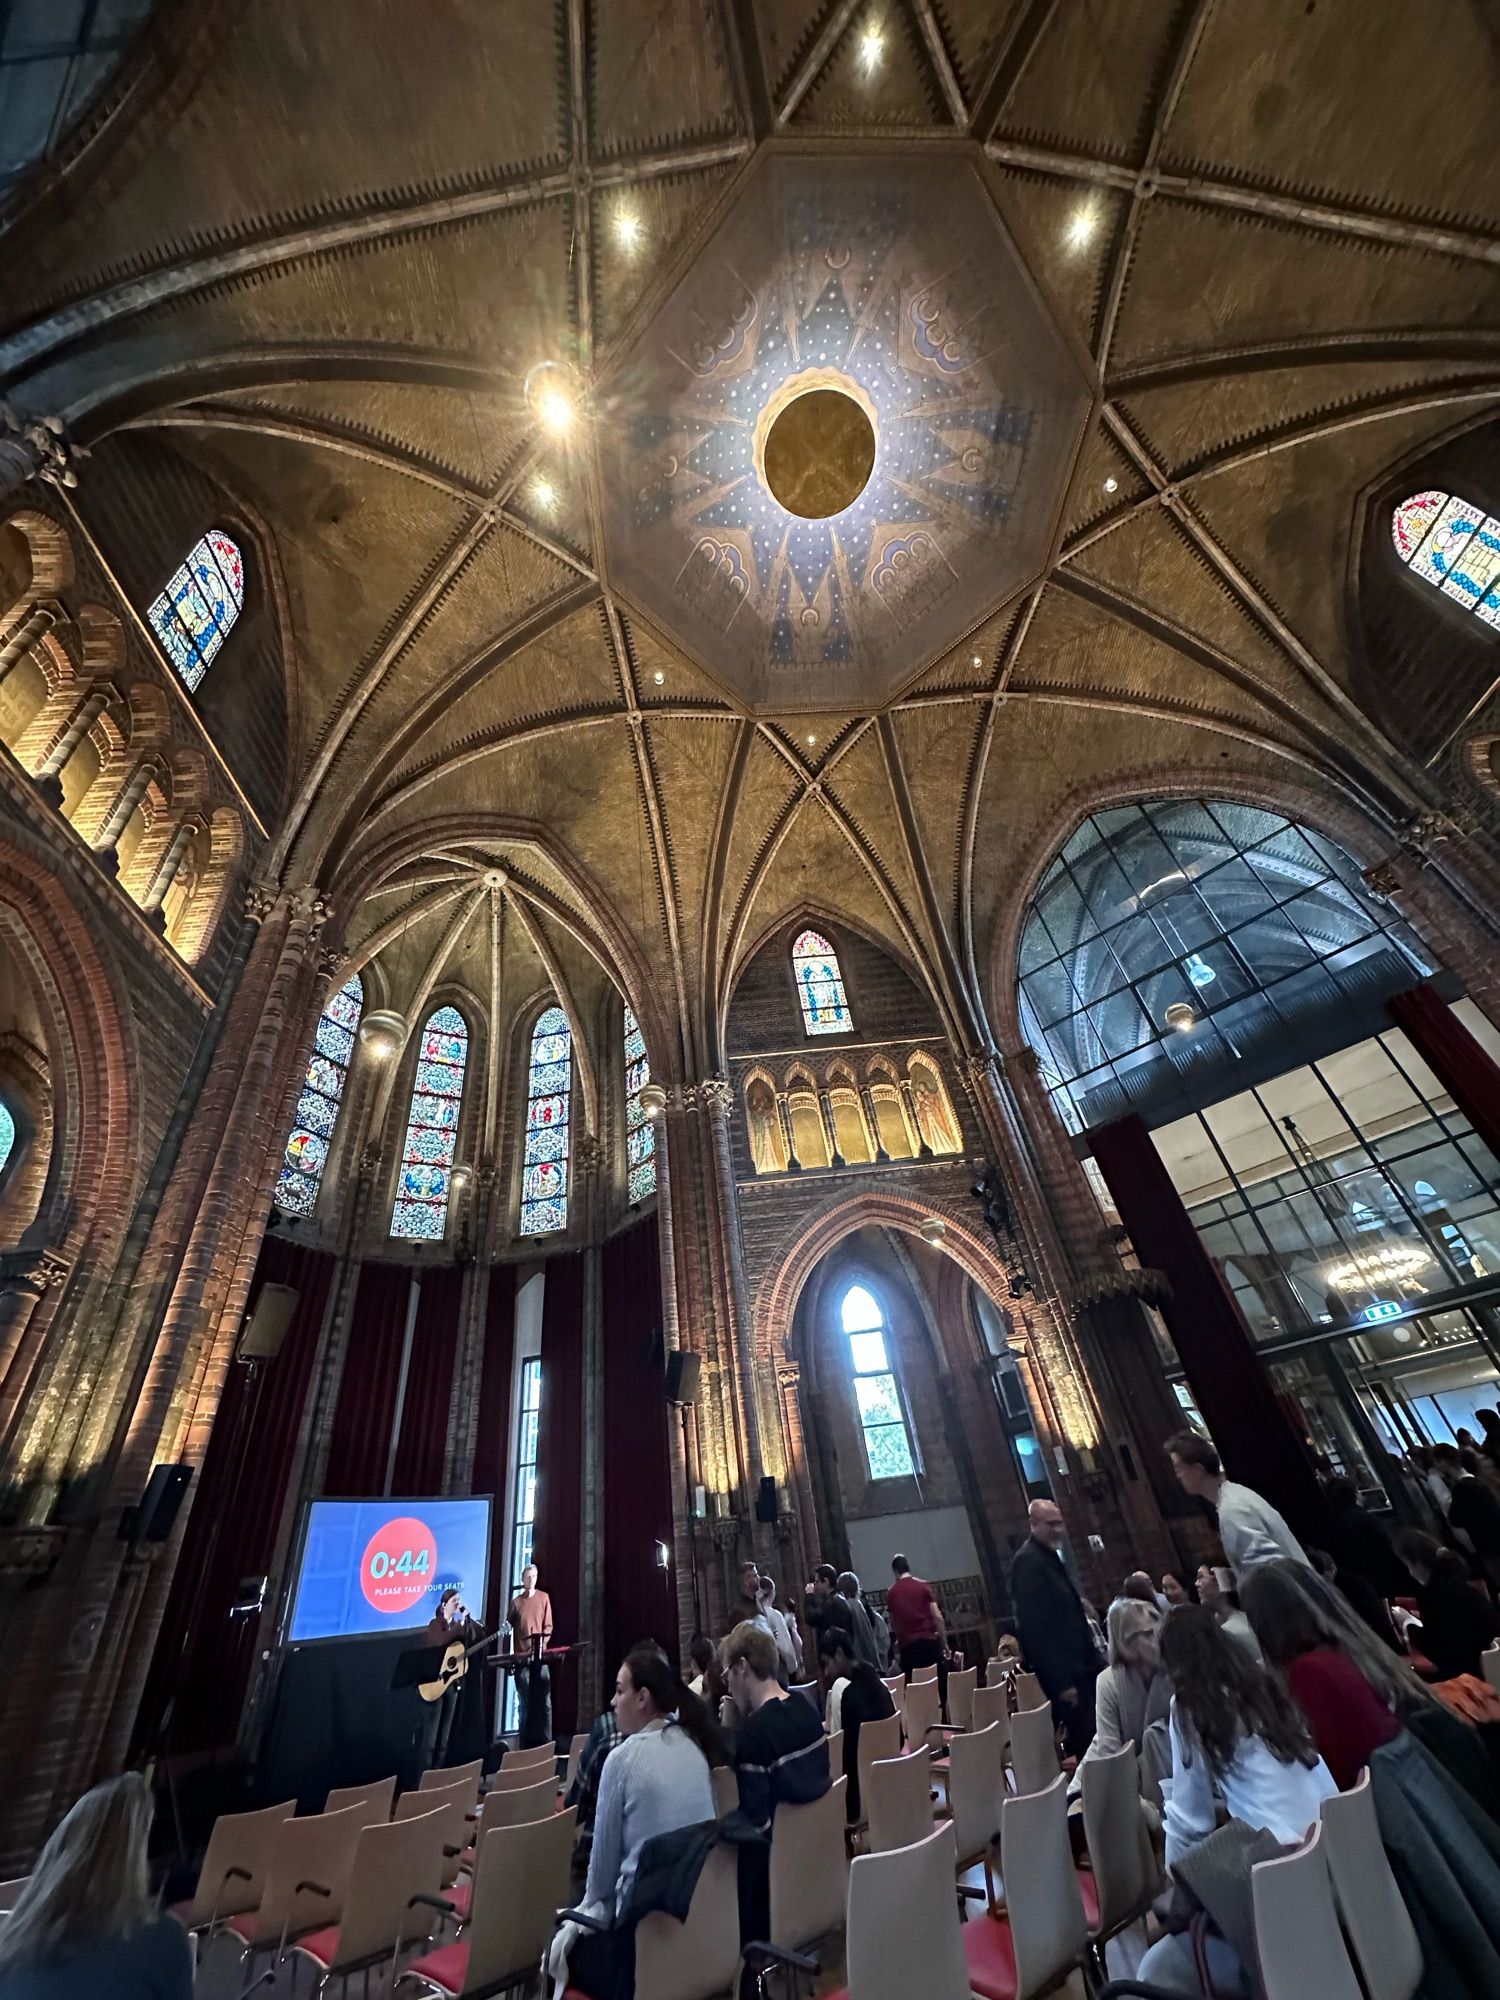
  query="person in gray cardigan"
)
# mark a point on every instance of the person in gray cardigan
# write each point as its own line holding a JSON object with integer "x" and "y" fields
{"x": 1133, "y": 1696}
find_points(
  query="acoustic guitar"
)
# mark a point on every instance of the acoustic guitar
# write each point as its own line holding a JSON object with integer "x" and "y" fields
{"x": 455, "y": 1666}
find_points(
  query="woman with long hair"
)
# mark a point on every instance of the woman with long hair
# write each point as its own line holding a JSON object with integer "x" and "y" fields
{"x": 655, "y": 1780}
{"x": 1133, "y": 1692}
{"x": 86, "y": 1922}
{"x": 1236, "y": 1734}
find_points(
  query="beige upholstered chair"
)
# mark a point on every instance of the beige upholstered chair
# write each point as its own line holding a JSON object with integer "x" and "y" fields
{"x": 1044, "y": 1938}
{"x": 976, "y": 1791}
{"x": 541, "y": 1757}
{"x": 1376, "y": 1921}
{"x": 921, "y": 1675}
{"x": 1033, "y": 1749}
{"x": 393, "y": 1862}
{"x": 575, "y": 1751}
{"x": 306, "y": 1874}
{"x": 518, "y": 1805}
{"x": 699, "y": 1959}
{"x": 453, "y": 1804}
{"x": 991, "y": 1704}
{"x": 897, "y": 1800}
{"x": 233, "y": 1876}
{"x": 442, "y": 1779}
{"x": 1297, "y": 1937}
{"x": 1119, "y": 1844}
{"x": 962, "y": 1687}
{"x": 521, "y": 1880}
{"x": 877, "y": 1741}
{"x": 809, "y": 1870}
{"x": 462, "y": 1782}
{"x": 1029, "y": 1692}
{"x": 922, "y": 1715}
{"x": 514, "y": 1777}
{"x": 904, "y": 1937}
{"x": 382, "y": 1792}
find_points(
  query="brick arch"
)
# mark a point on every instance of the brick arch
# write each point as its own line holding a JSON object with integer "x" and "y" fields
{"x": 51, "y": 551}
{"x": 776, "y": 1299}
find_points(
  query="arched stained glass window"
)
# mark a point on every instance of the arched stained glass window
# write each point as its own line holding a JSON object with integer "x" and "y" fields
{"x": 194, "y": 614}
{"x": 640, "y": 1132}
{"x": 549, "y": 1102}
{"x": 1454, "y": 545}
{"x": 820, "y": 986}
{"x": 881, "y": 1417}
{"x": 7, "y": 1134}
{"x": 318, "y": 1107}
{"x": 421, "y": 1211}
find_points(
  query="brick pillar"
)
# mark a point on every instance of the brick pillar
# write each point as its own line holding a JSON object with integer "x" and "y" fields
{"x": 25, "y": 1278}
{"x": 591, "y": 1512}
{"x": 715, "y": 1095}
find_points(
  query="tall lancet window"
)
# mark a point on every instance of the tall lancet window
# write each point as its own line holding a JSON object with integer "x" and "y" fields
{"x": 820, "y": 986}
{"x": 1453, "y": 545}
{"x": 640, "y": 1132}
{"x": 421, "y": 1211}
{"x": 549, "y": 1101}
{"x": 193, "y": 615}
{"x": 318, "y": 1107}
{"x": 877, "y": 1394}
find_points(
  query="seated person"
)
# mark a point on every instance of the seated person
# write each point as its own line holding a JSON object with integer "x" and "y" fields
{"x": 866, "y": 1698}
{"x": 780, "y": 1756}
{"x": 1458, "y": 1620}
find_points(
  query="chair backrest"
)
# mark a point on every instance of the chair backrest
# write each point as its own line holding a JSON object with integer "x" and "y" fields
{"x": 1114, "y": 1831}
{"x": 1297, "y": 1936}
{"x": 1376, "y": 1920}
{"x": 382, "y": 1792}
{"x": 511, "y": 1776}
{"x": 921, "y": 1675}
{"x": 836, "y": 1752}
{"x": 895, "y": 1687}
{"x": 1033, "y": 1749}
{"x": 976, "y": 1788}
{"x": 991, "y": 1705}
{"x": 541, "y": 1757}
{"x": 1489, "y": 1661}
{"x": 521, "y": 1878}
{"x": 961, "y": 1688}
{"x": 726, "y": 1789}
{"x": 239, "y": 1840}
{"x": 903, "y": 1933}
{"x": 896, "y": 1795}
{"x": 464, "y": 1785}
{"x": 1029, "y": 1692}
{"x": 518, "y": 1805}
{"x": 575, "y": 1751}
{"x": 921, "y": 1713}
{"x": 392, "y": 1863}
{"x": 699, "y": 1958}
{"x": 1047, "y": 1925}
{"x": 317, "y": 1849}
{"x": 877, "y": 1740}
{"x": 453, "y": 1834}
{"x": 442, "y": 1779}
{"x": 809, "y": 1870}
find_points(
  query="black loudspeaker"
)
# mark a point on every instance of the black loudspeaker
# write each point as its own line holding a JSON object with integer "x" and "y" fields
{"x": 765, "y": 1501}
{"x": 152, "y": 1520}
{"x": 264, "y": 1331}
{"x": 683, "y": 1371}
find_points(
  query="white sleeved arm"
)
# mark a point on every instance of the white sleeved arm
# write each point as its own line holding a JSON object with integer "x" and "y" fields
{"x": 1190, "y": 1809}
{"x": 608, "y": 1850}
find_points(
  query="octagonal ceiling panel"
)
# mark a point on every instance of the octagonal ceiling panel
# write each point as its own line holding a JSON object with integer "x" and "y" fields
{"x": 893, "y": 279}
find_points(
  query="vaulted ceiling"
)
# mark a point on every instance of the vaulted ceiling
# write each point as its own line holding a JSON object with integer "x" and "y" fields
{"x": 1170, "y": 287}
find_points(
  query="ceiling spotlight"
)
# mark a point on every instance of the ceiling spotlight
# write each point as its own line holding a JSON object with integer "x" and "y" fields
{"x": 1085, "y": 220}
{"x": 1181, "y": 1017}
{"x": 659, "y": 677}
{"x": 544, "y": 495}
{"x": 871, "y": 48}
{"x": 627, "y": 229}
{"x": 979, "y": 659}
{"x": 812, "y": 739}
{"x": 383, "y": 1033}
{"x": 552, "y": 396}
{"x": 1111, "y": 485}
{"x": 652, "y": 1099}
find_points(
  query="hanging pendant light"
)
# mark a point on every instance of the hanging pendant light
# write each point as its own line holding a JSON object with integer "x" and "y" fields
{"x": 384, "y": 1033}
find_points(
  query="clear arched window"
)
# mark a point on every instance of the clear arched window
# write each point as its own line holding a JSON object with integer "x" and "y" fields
{"x": 318, "y": 1107}
{"x": 1180, "y": 935}
{"x": 1454, "y": 545}
{"x": 876, "y": 1392}
{"x": 421, "y": 1211}
{"x": 7, "y": 1134}
{"x": 549, "y": 1102}
{"x": 194, "y": 614}
{"x": 640, "y": 1132}
{"x": 820, "y": 986}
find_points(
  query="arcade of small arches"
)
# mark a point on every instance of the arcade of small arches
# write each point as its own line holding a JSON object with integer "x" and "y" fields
{"x": 846, "y": 1114}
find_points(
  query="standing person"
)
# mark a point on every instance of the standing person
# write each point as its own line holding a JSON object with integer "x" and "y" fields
{"x": 1233, "y": 1731}
{"x": 748, "y": 1607}
{"x": 1249, "y": 1527}
{"x": 1489, "y": 1423}
{"x": 1458, "y": 1620}
{"x": 1054, "y": 1627}
{"x": 865, "y": 1647}
{"x": 531, "y": 1620}
{"x": 823, "y": 1608}
{"x": 780, "y": 1758}
{"x": 866, "y": 1698}
{"x": 917, "y": 1626}
{"x": 1473, "y": 1510}
{"x": 449, "y": 1625}
{"x": 85, "y": 1923}
{"x": 788, "y": 1648}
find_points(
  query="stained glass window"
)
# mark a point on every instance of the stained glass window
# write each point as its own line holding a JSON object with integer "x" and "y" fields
{"x": 318, "y": 1107}
{"x": 421, "y": 1211}
{"x": 876, "y": 1394}
{"x": 7, "y": 1134}
{"x": 640, "y": 1132}
{"x": 1454, "y": 545}
{"x": 549, "y": 1098}
{"x": 193, "y": 615}
{"x": 820, "y": 986}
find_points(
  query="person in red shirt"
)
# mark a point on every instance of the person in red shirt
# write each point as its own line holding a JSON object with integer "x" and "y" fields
{"x": 916, "y": 1623}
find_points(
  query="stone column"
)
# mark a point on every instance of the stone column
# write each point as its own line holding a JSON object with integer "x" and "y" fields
{"x": 165, "y": 874}
{"x": 36, "y": 622}
{"x": 826, "y": 1105}
{"x": 117, "y": 818}
{"x": 715, "y": 1095}
{"x": 48, "y": 774}
{"x": 784, "y": 1113}
{"x": 25, "y": 1278}
{"x": 920, "y": 1147}
{"x": 867, "y": 1098}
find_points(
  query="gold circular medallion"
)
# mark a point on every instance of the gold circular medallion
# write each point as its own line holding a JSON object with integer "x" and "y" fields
{"x": 818, "y": 453}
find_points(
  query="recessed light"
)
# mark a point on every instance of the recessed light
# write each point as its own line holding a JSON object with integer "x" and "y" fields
{"x": 627, "y": 229}
{"x": 1084, "y": 221}
{"x": 979, "y": 659}
{"x": 552, "y": 396}
{"x": 659, "y": 677}
{"x": 1111, "y": 485}
{"x": 543, "y": 495}
{"x": 871, "y": 48}
{"x": 812, "y": 739}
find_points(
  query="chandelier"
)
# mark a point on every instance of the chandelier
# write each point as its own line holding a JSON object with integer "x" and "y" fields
{"x": 1382, "y": 1264}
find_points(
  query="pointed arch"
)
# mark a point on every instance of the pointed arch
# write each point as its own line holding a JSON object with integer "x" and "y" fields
{"x": 820, "y": 985}
{"x": 196, "y": 611}
{"x": 420, "y": 1213}
{"x": 549, "y": 1121}
{"x": 640, "y": 1130}
{"x": 317, "y": 1111}
{"x": 1455, "y": 546}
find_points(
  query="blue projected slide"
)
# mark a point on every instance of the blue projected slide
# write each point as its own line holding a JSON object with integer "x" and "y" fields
{"x": 382, "y": 1565}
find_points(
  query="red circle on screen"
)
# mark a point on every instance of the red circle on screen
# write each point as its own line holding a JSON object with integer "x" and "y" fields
{"x": 399, "y": 1564}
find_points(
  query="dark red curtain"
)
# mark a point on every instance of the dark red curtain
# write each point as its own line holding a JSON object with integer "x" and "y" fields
{"x": 1229, "y": 1383}
{"x": 493, "y": 1430}
{"x": 361, "y": 1444}
{"x": 423, "y": 1443}
{"x": 1461, "y": 1065}
{"x": 639, "y": 1598}
{"x": 560, "y": 1463}
{"x": 203, "y": 1658}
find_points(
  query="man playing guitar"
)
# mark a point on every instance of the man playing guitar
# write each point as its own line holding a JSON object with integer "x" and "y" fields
{"x": 450, "y": 1623}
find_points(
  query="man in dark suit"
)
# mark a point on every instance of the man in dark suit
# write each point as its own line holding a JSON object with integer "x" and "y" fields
{"x": 1056, "y": 1639}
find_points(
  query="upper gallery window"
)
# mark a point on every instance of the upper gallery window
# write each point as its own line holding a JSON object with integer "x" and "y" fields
{"x": 318, "y": 1107}
{"x": 194, "y": 614}
{"x": 549, "y": 1100}
{"x": 7, "y": 1134}
{"x": 820, "y": 986}
{"x": 421, "y": 1210}
{"x": 640, "y": 1132}
{"x": 881, "y": 1417}
{"x": 1454, "y": 545}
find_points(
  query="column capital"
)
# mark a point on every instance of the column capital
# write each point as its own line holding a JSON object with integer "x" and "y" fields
{"x": 36, "y": 448}
{"x": 1124, "y": 1282}
{"x": 726, "y": 1532}
{"x": 1022, "y": 1061}
{"x": 32, "y": 1270}
{"x": 717, "y": 1093}
{"x": 260, "y": 899}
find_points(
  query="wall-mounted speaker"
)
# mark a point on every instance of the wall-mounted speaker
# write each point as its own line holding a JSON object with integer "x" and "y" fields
{"x": 264, "y": 1331}
{"x": 152, "y": 1520}
{"x": 765, "y": 1501}
{"x": 684, "y": 1370}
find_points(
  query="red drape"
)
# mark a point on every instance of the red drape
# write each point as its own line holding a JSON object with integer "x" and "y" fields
{"x": 360, "y": 1447}
{"x": 560, "y": 1462}
{"x": 1229, "y": 1383}
{"x": 423, "y": 1443}
{"x": 639, "y": 1598}
{"x": 1463, "y": 1067}
{"x": 202, "y": 1658}
{"x": 493, "y": 1430}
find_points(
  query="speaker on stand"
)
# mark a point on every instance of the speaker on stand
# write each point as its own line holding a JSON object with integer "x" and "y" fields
{"x": 684, "y": 1373}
